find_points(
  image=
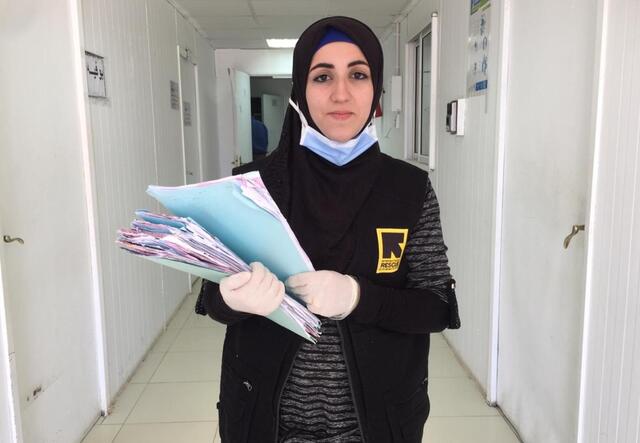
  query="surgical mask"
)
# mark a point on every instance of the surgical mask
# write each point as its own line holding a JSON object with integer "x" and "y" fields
{"x": 336, "y": 152}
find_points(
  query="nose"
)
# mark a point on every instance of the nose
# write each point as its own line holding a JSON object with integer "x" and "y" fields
{"x": 340, "y": 92}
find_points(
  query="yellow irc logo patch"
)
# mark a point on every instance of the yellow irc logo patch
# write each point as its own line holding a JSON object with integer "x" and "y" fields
{"x": 391, "y": 244}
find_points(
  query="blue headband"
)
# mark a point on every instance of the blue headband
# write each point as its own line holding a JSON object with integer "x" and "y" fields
{"x": 332, "y": 35}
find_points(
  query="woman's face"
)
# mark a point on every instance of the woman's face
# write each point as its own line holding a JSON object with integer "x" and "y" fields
{"x": 339, "y": 90}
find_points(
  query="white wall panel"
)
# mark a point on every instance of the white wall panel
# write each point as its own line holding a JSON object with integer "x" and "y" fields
{"x": 124, "y": 152}
{"x": 464, "y": 179}
{"x": 207, "y": 108}
{"x": 391, "y": 139}
{"x": 163, "y": 64}
{"x": 186, "y": 33}
{"x": 610, "y": 409}
{"x": 465, "y": 173}
{"x": 136, "y": 141}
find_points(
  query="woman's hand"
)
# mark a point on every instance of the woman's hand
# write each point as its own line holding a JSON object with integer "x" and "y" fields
{"x": 326, "y": 293}
{"x": 256, "y": 292}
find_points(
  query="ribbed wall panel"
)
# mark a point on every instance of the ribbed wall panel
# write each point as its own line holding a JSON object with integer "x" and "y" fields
{"x": 464, "y": 180}
{"x": 611, "y": 389}
{"x": 465, "y": 172}
{"x": 136, "y": 141}
{"x": 207, "y": 107}
{"x": 122, "y": 136}
{"x": 186, "y": 34}
{"x": 163, "y": 56}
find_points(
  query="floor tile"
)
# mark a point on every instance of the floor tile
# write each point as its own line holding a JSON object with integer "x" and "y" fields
{"x": 124, "y": 404}
{"x": 192, "y": 432}
{"x": 147, "y": 368}
{"x": 468, "y": 430}
{"x": 180, "y": 317}
{"x": 176, "y": 402}
{"x": 203, "y": 321}
{"x": 102, "y": 434}
{"x": 457, "y": 397}
{"x": 198, "y": 339}
{"x": 164, "y": 342}
{"x": 171, "y": 397}
{"x": 188, "y": 366}
{"x": 443, "y": 363}
{"x": 438, "y": 341}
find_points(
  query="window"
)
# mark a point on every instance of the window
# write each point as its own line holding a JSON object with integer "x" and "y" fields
{"x": 423, "y": 68}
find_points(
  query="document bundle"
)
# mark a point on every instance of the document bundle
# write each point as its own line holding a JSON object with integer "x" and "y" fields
{"x": 216, "y": 229}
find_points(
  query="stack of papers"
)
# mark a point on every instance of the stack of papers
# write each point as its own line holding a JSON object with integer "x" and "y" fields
{"x": 217, "y": 228}
{"x": 181, "y": 239}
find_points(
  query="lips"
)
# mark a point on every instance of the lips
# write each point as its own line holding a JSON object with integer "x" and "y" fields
{"x": 341, "y": 115}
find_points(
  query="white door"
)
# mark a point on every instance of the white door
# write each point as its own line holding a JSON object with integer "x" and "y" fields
{"x": 241, "y": 96}
{"x": 46, "y": 274}
{"x": 9, "y": 423}
{"x": 273, "y": 110}
{"x": 189, "y": 113}
{"x": 546, "y": 182}
{"x": 47, "y": 285}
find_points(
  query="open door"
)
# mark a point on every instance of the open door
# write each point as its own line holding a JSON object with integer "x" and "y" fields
{"x": 241, "y": 97}
{"x": 273, "y": 109}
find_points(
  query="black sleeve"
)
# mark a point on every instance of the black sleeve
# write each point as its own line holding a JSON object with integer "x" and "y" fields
{"x": 428, "y": 301}
{"x": 210, "y": 302}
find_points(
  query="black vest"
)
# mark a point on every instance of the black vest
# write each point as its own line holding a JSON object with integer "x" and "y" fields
{"x": 388, "y": 370}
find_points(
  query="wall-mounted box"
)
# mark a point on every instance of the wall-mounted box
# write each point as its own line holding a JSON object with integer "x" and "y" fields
{"x": 455, "y": 118}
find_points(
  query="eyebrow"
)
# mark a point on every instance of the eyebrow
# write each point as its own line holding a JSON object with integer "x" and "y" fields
{"x": 330, "y": 66}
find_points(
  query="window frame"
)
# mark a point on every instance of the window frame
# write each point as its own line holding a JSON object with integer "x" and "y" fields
{"x": 413, "y": 98}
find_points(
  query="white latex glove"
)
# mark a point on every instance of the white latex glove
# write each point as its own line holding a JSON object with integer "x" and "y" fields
{"x": 256, "y": 292}
{"x": 326, "y": 293}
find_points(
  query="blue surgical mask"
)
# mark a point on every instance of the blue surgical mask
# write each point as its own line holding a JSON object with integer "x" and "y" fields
{"x": 337, "y": 153}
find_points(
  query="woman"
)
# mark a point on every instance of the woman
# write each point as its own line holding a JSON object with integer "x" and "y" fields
{"x": 370, "y": 225}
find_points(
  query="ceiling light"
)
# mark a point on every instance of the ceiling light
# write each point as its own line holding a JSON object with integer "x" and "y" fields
{"x": 281, "y": 42}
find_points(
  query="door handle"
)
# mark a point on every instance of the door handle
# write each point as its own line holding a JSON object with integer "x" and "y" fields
{"x": 9, "y": 239}
{"x": 574, "y": 231}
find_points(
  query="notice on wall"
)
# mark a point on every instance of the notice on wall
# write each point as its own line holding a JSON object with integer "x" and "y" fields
{"x": 95, "y": 75}
{"x": 478, "y": 50}
{"x": 186, "y": 112}
{"x": 175, "y": 94}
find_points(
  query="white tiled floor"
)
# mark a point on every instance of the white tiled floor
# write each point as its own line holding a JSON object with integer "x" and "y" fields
{"x": 171, "y": 397}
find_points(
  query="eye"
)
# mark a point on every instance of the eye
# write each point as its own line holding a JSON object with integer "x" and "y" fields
{"x": 359, "y": 75}
{"x": 321, "y": 78}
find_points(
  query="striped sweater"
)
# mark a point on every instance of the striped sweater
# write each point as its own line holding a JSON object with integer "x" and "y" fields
{"x": 317, "y": 403}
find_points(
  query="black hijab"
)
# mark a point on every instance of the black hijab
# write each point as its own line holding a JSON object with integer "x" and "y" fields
{"x": 326, "y": 198}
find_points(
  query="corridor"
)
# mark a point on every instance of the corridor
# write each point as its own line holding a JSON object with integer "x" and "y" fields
{"x": 522, "y": 115}
{"x": 172, "y": 394}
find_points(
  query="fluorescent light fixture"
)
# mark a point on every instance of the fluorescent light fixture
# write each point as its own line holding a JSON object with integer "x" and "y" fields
{"x": 278, "y": 76}
{"x": 281, "y": 42}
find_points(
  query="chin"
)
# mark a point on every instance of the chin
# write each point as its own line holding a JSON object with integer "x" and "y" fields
{"x": 340, "y": 136}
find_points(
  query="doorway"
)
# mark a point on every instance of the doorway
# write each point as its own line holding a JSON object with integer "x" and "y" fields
{"x": 269, "y": 100}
